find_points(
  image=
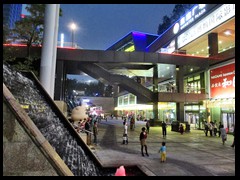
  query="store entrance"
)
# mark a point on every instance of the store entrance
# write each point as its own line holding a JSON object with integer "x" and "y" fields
{"x": 192, "y": 117}
{"x": 228, "y": 120}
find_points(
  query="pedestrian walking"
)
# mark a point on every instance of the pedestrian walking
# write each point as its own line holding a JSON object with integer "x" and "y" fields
{"x": 219, "y": 127}
{"x": 223, "y": 134}
{"x": 148, "y": 126}
{"x": 210, "y": 128}
{"x": 164, "y": 129}
{"x": 132, "y": 123}
{"x": 143, "y": 137}
{"x": 215, "y": 129}
{"x": 181, "y": 129}
{"x": 233, "y": 143}
{"x": 95, "y": 132}
{"x": 125, "y": 134}
{"x": 206, "y": 128}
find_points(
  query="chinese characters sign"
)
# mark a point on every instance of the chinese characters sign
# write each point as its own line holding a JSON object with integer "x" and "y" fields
{"x": 222, "y": 82}
{"x": 214, "y": 19}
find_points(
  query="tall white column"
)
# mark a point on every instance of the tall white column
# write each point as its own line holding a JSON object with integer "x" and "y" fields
{"x": 47, "y": 48}
{"x": 54, "y": 51}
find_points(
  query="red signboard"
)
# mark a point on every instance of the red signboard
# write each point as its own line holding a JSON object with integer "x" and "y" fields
{"x": 222, "y": 82}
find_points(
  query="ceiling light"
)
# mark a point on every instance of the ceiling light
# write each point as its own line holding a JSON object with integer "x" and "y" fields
{"x": 228, "y": 33}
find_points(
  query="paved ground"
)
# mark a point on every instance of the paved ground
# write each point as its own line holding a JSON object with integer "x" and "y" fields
{"x": 190, "y": 154}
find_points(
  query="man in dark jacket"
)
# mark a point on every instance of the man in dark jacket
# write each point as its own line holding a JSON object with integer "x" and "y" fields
{"x": 87, "y": 127}
{"x": 164, "y": 129}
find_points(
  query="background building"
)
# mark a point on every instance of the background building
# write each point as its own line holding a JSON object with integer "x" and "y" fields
{"x": 11, "y": 14}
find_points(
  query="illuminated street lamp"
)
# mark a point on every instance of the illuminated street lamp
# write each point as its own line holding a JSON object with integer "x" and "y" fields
{"x": 73, "y": 28}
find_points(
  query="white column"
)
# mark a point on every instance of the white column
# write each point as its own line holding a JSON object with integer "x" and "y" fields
{"x": 47, "y": 48}
{"x": 54, "y": 51}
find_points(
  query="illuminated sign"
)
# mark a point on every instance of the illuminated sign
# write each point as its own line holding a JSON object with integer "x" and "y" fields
{"x": 214, "y": 19}
{"x": 169, "y": 49}
{"x": 222, "y": 82}
{"x": 189, "y": 17}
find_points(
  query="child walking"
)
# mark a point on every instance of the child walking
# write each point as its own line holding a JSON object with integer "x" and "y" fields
{"x": 163, "y": 151}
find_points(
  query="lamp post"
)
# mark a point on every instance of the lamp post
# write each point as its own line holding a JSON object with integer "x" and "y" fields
{"x": 73, "y": 27}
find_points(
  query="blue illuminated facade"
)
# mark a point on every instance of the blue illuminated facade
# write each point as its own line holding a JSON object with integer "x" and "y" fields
{"x": 137, "y": 40}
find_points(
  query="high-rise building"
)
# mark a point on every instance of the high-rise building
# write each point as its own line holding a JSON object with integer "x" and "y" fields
{"x": 11, "y": 14}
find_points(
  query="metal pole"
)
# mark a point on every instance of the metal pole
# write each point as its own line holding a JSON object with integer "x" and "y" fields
{"x": 72, "y": 36}
{"x": 54, "y": 59}
{"x": 47, "y": 49}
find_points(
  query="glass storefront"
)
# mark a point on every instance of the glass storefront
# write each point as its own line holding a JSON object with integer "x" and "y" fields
{"x": 223, "y": 110}
{"x": 195, "y": 115}
{"x": 127, "y": 106}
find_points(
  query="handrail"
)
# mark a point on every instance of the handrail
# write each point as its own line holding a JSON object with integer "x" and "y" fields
{"x": 86, "y": 131}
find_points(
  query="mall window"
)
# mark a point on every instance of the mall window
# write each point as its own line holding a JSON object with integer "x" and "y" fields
{"x": 120, "y": 101}
{"x": 125, "y": 100}
{"x": 192, "y": 84}
{"x": 132, "y": 99}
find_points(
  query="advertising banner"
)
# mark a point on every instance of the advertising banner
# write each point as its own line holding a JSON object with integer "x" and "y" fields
{"x": 222, "y": 82}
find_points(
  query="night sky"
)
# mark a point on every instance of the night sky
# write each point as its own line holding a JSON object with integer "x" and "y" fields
{"x": 101, "y": 25}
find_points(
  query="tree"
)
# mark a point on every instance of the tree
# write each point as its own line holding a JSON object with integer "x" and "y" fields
{"x": 166, "y": 24}
{"x": 30, "y": 28}
{"x": 30, "y": 31}
{"x": 108, "y": 91}
{"x": 90, "y": 89}
{"x": 178, "y": 11}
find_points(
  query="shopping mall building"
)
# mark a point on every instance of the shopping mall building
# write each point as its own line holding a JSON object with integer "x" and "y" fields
{"x": 206, "y": 31}
{"x": 186, "y": 74}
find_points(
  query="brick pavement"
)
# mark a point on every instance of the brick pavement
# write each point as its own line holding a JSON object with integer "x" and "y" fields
{"x": 190, "y": 154}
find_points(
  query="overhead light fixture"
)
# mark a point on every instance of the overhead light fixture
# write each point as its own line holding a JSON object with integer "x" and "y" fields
{"x": 227, "y": 33}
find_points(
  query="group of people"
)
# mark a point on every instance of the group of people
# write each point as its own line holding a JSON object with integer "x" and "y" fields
{"x": 211, "y": 128}
{"x": 163, "y": 150}
{"x": 222, "y": 132}
{"x": 87, "y": 128}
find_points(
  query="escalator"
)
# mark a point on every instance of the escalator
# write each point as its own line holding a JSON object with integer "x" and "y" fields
{"x": 144, "y": 95}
